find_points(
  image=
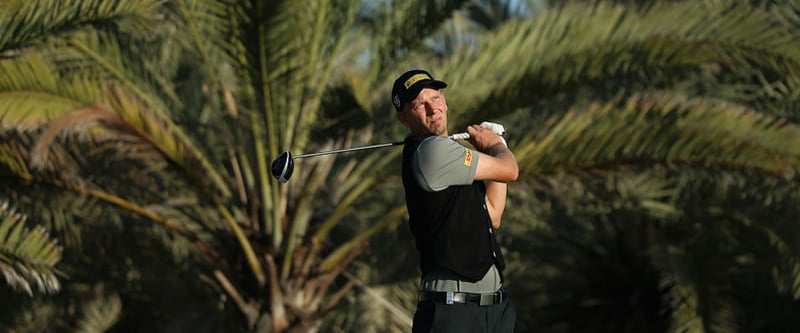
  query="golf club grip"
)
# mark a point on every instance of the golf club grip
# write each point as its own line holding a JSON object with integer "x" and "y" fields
{"x": 460, "y": 136}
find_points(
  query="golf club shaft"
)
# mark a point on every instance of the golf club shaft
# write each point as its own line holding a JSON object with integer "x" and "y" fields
{"x": 459, "y": 136}
{"x": 345, "y": 150}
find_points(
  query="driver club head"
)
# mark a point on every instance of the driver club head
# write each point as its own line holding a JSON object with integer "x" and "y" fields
{"x": 283, "y": 166}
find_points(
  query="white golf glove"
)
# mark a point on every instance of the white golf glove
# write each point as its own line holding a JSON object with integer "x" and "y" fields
{"x": 497, "y": 129}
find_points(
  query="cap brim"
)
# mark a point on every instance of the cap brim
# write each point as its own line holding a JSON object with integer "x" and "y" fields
{"x": 436, "y": 84}
{"x": 414, "y": 91}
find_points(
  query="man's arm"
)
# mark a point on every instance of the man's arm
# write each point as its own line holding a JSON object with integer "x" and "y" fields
{"x": 496, "y": 165}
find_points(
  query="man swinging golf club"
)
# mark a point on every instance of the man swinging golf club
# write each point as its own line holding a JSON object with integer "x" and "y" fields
{"x": 455, "y": 198}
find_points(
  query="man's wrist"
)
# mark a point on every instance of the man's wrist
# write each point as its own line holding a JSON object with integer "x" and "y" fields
{"x": 497, "y": 149}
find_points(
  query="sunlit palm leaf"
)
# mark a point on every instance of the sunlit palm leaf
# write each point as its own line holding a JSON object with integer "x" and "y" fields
{"x": 27, "y": 256}
{"x": 576, "y": 47}
{"x": 32, "y": 93}
{"x": 100, "y": 314}
{"x": 101, "y": 58}
{"x": 31, "y": 22}
{"x": 655, "y": 130}
{"x": 219, "y": 88}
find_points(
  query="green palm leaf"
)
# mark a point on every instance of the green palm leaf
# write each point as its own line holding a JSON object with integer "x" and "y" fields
{"x": 32, "y": 92}
{"x": 31, "y": 22}
{"x": 27, "y": 256}
{"x": 655, "y": 129}
{"x": 582, "y": 47}
{"x": 168, "y": 113}
{"x": 100, "y": 313}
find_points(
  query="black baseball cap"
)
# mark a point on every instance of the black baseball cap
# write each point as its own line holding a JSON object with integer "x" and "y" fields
{"x": 408, "y": 86}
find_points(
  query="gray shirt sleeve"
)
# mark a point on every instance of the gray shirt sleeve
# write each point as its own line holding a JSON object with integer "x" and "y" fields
{"x": 440, "y": 162}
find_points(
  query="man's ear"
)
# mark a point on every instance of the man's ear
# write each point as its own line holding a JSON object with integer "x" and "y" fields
{"x": 401, "y": 116}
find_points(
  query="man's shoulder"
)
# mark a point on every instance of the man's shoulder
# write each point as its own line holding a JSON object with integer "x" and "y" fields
{"x": 440, "y": 162}
{"x": 436, "y": 145}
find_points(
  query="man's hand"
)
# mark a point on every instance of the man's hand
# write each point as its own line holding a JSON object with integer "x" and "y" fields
{"x": 495, "y": 127}
{"x": 483, "y": 138}
{"x": 484, "y": 144}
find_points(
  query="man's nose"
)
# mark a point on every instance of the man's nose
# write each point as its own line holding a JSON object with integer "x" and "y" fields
{"x": 429, "y": 108}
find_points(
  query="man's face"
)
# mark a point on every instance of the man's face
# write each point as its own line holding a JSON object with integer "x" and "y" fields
{"x": 426, "y": 115}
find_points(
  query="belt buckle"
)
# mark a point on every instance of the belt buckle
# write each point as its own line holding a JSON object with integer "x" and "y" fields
{"x": 448, "y": 298}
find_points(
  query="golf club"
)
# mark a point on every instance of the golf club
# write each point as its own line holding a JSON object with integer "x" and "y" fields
{"x": 283, "y": 166}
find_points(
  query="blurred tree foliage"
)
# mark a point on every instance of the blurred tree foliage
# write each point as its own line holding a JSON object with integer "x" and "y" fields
{"x": 657, "y": 140}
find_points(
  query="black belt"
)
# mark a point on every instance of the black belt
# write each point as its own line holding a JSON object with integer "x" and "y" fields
{"x": 451, "y": 297}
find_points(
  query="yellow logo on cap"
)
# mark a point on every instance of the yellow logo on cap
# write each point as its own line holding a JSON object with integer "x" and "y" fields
{"x": 416, "y": 78}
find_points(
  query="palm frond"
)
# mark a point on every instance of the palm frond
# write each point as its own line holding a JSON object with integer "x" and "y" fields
{"x": 395, "y": 38}
{"x": 14, "y": 155}
{"x": 581, "y": 46}
{"x": 659, "y": 130}
{"x": 685, "y": 312}
{"x": 207, "y": 22}
{"x": 27, "y": 256}
{"x": 347, "y": 249}
{"x": 100, "y": 313}
{"x": 787, "y": 280}
{"x": 300, "y": 53}
{"x": 727, "y": 246}
{"x": 392, "y": 302}
{"x": 780, "y": 97}
{"x": 31, "y": 22}
{"x": 32, "y": 92}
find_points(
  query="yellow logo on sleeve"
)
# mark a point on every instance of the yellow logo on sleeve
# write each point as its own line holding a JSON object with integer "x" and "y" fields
{"x": 468, "y": 158}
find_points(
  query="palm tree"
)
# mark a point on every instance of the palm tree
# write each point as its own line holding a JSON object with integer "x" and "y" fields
{"x": 150, "y": 126}
{"x": 715, "y": 100}
{"x": 634, "y": 126}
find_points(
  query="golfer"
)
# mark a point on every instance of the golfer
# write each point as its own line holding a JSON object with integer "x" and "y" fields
{"x": 455, "y": 197}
